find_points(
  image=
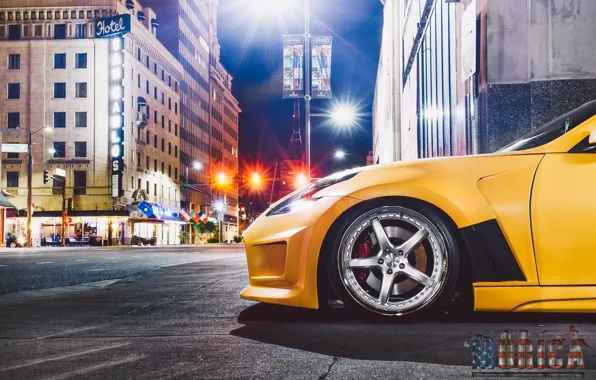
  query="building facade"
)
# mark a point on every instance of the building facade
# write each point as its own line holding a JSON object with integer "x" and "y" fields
{"x": 224, "y": 132}
{"x": 59, "y": 83}
{"x": 185, "y": 32}
{"x": 477, "y": 74}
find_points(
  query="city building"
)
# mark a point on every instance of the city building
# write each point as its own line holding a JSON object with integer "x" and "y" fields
{"x": 186, "y": 32}
{"x": 224, "y": 133}
{"x": 63, "y": 88}
{"x": 470, "y": 76}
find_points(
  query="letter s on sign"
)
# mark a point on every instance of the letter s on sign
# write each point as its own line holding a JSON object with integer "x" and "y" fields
{"x": 116, "y": 165}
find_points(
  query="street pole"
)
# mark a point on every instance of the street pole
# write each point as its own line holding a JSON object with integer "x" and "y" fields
{"x": 62, "y": 237}
{"x": 307, "y": 79}
{"x": 273, "y": 185}
{"x": 189, "y": 235}
{"x": 29, "y": 189}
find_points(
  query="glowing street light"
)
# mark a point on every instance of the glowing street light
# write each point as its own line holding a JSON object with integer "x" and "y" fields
{"x": 339, "y": 155}
{"x": 343, "y": 115}
{"x": 256, "y": 179}
{"x": 197, "y": 166}
{"x": 221, "y": 179}
{"x": 52, "y": 151}
{"x": 219, "y": 206}
{"x": 301, "y": 181}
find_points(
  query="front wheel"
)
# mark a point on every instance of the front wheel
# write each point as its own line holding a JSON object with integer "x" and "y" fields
{"x": 395, "y": 260}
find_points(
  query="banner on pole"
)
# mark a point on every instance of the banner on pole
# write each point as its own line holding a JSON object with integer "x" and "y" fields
{"x": 321, "y": 67}
{"x": 293, "y": 67}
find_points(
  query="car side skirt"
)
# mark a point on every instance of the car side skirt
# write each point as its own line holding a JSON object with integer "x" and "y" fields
{"x": 491, "y": 255}
{"x": 546, "y": 299}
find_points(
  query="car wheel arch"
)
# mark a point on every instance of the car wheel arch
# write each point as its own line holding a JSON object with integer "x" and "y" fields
{"x": 325, "y": 289}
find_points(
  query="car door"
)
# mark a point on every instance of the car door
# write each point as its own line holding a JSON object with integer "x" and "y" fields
{"x": 563, "y": 210}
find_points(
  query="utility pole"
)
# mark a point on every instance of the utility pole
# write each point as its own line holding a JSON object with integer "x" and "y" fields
{"x": 62, "y": 237}
{"x": 307, "y": 79}
{"x": 273, "y": 185}
{"x": 189, "y": 234}
{"x": 29, "y": 189}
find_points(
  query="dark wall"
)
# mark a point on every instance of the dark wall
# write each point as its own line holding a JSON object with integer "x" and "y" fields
{"x": 514, "y": 109}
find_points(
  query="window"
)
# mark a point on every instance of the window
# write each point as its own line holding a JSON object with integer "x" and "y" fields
{"x": 139, "y": 160}
{"x": 176, "y": 151}
{"x": 155, "y": 189}
{"x": 80, "y": 30}
{"x": 139, "y": 54}
{"x": 170, "y": 80}
{"x": 12, "y": 179}
{"x": 170, "y": 148}
{"x": 37, "y": 31}
{"x": 147, "y": 162}
{"x": 163, "y": 168}
{"x": 14, "y": 61}
{"x": 81, "y": 90}
{"x": 176, "y": 86}
{"x": 170, "y": 171}
{"x": 12, "y": 155}
{"x": 170, "y": 104}
{"x": 170, "y": 126}
{"x": 176, "y": 108}
{"x": 80, "y": 149}
{"x": 163, "y": 99}
{"x": 147, "y": 61}
{"x": 59, "y": 119}
{"x": 155, "y": 93}
{"x": 155, "y": 117}
{"x": 80, "y": 182}
{"x": 163, "y": 75}
{"x": 147, "y": 187}
{"x": 139, "y": 184}
{"x": 176, "y": 174}
{"x": 60, "y": 61}
{"x": 155, "y": 143}
{"x": 163, "y": 145}
{"x": 155, "y": 168}
{"x": 60, "y": 31}
{"x": 59, "y": 149}
{"x": 14, "y": 120}
{"x": 139, "y": 80}
{"x": 175, "y": 129}
{"x": 81, "y": 61}
{"x": 80, "y": 119}
{"x": 59, "y": 90}
{"x": 14, "y": 91}
{"x": 147, "y": 87}
{"x": 148, "y": 138}
{"x": 14, "y": 32}
{"x": 163, "y": 122}
{"x": 155, "y": 68}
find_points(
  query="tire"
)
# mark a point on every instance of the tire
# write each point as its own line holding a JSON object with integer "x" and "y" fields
{"x": 391, "y": 275}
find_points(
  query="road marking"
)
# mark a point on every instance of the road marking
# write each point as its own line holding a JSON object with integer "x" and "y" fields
{"x": 136, "y": 257}
{"x": 61, "y": 357}
{"x": 45, "y": 262}
{"x": 82, "y": 260}
{"x": 95, "y": 270}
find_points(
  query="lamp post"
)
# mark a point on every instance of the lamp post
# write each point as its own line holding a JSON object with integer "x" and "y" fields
{"x": 197, "y": 166}
{"x": 307, "y": 79}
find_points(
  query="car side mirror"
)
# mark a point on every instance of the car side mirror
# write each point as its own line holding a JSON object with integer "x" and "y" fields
{"x": 592, "y": 139}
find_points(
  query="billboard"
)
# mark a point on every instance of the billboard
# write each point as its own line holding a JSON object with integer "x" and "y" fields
{"x": 293, "y": 67}
{"x": 321, "y": 67}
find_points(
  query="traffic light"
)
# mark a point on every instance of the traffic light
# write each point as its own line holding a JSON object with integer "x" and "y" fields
{"x": 70, "y": 204}
{"x": 46, "y": 176}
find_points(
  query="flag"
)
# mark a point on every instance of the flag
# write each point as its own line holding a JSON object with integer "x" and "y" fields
{"x": 146, "y": 208}
{"x": 203, "y": 218}
{"x": 195, "y": 217}
{"x": 184, "y": 215}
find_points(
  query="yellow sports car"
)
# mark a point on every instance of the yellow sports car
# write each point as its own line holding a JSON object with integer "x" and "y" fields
{"x": 518, "y": 226}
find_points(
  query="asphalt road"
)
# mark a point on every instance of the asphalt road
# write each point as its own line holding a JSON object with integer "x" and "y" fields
{"x": 187, "y": 322}
{"x": 22, "y": 269}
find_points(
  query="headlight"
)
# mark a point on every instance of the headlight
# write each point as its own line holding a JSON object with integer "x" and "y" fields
{"x": 307, "y": 194}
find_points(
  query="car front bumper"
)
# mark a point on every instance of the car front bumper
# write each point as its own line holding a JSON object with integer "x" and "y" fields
{"x": 283, "y": 253}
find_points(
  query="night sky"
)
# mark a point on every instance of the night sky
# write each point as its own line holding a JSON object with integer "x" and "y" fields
{"x": 250, "y": 37}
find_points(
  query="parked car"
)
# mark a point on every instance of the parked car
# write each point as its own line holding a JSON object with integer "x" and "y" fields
{"x": 13, "y": 242}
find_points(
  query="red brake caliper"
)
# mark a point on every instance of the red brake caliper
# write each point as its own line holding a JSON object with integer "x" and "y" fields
{"x": 364, "y": 250}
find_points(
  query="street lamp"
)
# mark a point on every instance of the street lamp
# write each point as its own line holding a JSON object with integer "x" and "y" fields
{"x": 343, "y": 115}
{"x": 197, "y": 166}
{"x": 301, "y": 181}
{"x": 339, "y": 155}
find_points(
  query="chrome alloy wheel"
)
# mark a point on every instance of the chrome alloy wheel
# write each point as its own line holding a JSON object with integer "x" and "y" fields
{"x": 393, "y": 260}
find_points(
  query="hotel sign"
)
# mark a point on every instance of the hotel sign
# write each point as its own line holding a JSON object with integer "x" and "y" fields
{"x": 113, "y": 26}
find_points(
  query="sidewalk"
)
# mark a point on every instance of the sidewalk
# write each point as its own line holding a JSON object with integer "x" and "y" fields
{"x": 5, "y": 251}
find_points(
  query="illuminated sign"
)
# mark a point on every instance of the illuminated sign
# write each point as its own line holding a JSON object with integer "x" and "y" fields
{"x": 15, "y": 148}
{"x": 113, "y": 26}
{"x": 116, "y": 113}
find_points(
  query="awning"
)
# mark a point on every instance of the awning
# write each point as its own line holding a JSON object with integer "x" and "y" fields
{"x": 154, "y": 23}
{"x": 130, "y": 4}
{"x": 145, "y": 220}
{"x": 141, "y": 101}
{"x": 4, "y": 202}
{"x": 141, "y": 16}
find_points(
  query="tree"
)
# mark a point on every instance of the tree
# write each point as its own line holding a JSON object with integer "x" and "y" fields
{"x": 204, "y": 228}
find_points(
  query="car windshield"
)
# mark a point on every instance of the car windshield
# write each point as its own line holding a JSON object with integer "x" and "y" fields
{"x": 552, "y": 130}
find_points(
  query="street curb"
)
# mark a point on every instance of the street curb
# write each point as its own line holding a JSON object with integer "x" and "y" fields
{"x": 52, "y": 292}
{"x": 24, "y": 251}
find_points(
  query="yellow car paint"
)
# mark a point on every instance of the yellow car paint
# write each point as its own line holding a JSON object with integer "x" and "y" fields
{"x": 534, "y": 195}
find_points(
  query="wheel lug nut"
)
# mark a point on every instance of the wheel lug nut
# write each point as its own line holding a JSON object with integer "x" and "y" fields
{"x": 400, "y": 253}
{"x": 381, "y": 261}
{"x": 386, "y": 249}
{"x": 402, "y": 266}
{"x": 389, "y": 271}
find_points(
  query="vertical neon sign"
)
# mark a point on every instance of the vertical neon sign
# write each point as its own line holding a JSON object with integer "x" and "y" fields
{"x": 116, "y": 118}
